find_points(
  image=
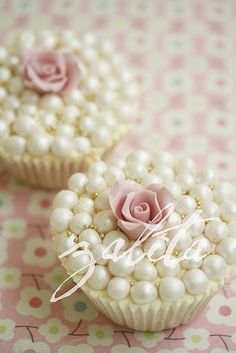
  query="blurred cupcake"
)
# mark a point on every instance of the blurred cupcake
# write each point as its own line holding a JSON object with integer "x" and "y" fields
{"x": 162, "y": 234}
{"x": 65, "y": 100}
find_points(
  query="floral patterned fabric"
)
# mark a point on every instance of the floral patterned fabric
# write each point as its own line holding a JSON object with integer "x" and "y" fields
{"x": 184, "y": 55}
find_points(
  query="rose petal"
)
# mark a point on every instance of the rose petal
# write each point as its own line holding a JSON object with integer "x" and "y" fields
{"x": 43, "y": 84}
{"x": 142, "y": 212}
{"x": 165, "y": 198}
{"x": 73, "y": 74}
{"x": 136, "y": 230}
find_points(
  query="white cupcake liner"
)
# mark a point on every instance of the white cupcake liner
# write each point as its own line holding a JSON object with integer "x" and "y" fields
{"x": 151, "y": 317}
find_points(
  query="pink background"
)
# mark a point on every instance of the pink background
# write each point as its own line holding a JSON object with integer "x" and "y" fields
{"x": 183, "y": 53}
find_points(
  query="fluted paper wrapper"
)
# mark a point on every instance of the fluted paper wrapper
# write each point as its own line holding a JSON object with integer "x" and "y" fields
{"x": 150, "y": 317}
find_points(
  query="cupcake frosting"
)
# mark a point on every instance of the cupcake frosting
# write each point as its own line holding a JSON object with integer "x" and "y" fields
{"x": 119, "y": 207}
{"x": 63, "y": 95}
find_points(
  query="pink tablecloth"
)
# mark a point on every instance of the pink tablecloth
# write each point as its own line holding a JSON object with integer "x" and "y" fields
{"x": 184, "y": 56}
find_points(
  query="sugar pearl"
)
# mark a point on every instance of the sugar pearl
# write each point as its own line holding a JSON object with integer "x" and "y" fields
{"x": 165, "y": 173}
{"x": 154, "y": 247}
{"x": 185, "y": 164}
{"x": 98, "y": 252}
{"x": 227, "y": 249}
{"x": 84, "y": 204}
{"x": 196, "y": 282}
{"x": 210, "y": 209}
{"x": 48, "y": 120}
{"x": 173, "y": 220}
{"x": 15, "y": 85}
{"x": 135, "y": 170}
{"x": 4, "y": 130}
{"x": 90, "y": 236}
{"x": 64, "y": 242}
{"x": 171, "y": 289}
{"x": 139, "y": 156}
{"x": 7, "y": 116}
{"x": 102, "y": 201}
{"x": 174, "y": 188}
{"x": 5, "y": 74}
{"x": 214, "y": 266}
{"x": 87, "y": 125}
{"x": 113, "y": 174}
{"x": 185, "y": 205}
{"x": 30, "y": 97}
{"x": 143, "y": 292}
{"x": 11, "y": 103}
{"x": 145, "y": 270}
{"x": 126, "y": 112}
{"x": 79, "y": 261}
{"x": 77, "y": 182}
{"x": 163, "y": 158}
{"x": 93, "y": 84}
{"x": 65, "y": 130}
{"x": 100, "y": 278}
{"x": 185, "y": 180}
{"x": 82, "y": 144}
{"x": 118, "y": 288}
{"x": 90, "y": 39}
{"x": 105, "y": 221}
{"x": 25, "y": 125}
{"x": 96, "y": 183}
{"x": 192, "y": 259}
{"x": 79, "y": 221}
{"x": 51, "y": 103}
{"x": 27, "y": 109}
{"x": 91, "y": 108}
{"x": 15, "y": 145}
{"x": 216, "y": 231}
{"x": 228, "y": 210}
{"x": 204, "y": 245}
{"x": 60, "y": 219}
{"x": 98, "y": 167}
{"x": 61, "y": 147}
{"x": 100, "y": 137}
{"x": 74, "y": 97}
{"x": 197, "y": 226}
{"x": 122, "y": 267}
{"x": 223, "y": 191}
{"x": 38, "y": 144}
{"x": 70, "y": 113}
{"x": 207, "y": 176}
{"x": 65, "y": 198}
{"x": 168, "y": 267}
{"x": 152, "y": 178}
{"x": 47, "y": 39}
{"x": 182, "y": 237}
{"x": 232, "y": 229}
{"x": 3, "y": 55}
{"x": 113, "y": 236}
{"x": 202, "y": 191}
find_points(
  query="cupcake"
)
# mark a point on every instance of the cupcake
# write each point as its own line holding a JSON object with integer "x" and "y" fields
{"x": 64, "y": 101}
{"x": 155, "y": 238}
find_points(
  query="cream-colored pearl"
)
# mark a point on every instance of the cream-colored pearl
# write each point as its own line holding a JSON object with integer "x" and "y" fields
{"x": 206, "y": 176}
{"x": 90, "y": 236}
{"x": 192, "y": 259}
{"x": 103, "y": 68}
{"x": 143, "y": 292}
{"x": 105, "y": 221}
{"x": 113, "y": 174}
{"x": 93, "y": 84}
{"x": 232, "y": 229}
{"x": 63, "y": 242}
{"x": 60, "y": 219}
{"x": 79, "y": 221}
{"x": 185, "y": 180}
{"x": 168, "y": 267}
{"x": 25, "y": 125}
{"x": 90, "y": 108}
{"x": 163, "y": 158}
{"x": 5, "y": 74}
{"x": 118, "y": 288}
{"x": 101, "y": 137}
{"x": 102, "y": 201}
{"x": 145, "y": 270}
{"x": 26, "y": 39}
{"x": 184, "y": 165}
{"x": 30, "y": 97}
{"x": 135, "y": 170}
{"x": 79, "y": 261}
{"x": 151, "y": 178}
{"x": 174, "y": 188}
{"x": 210, "y": 209}
{"x": 216, "y": 231}
{"x": 27, "y": 109}
{"x": 82, "y": 144}
{"x": 98, "y": 253}
{"x": 51, "y": 103}
{"x": 90, "y": 39}
{"x": 8, "y": 116}
{"x": 227, "y": 249}
{"x": 214, "y": 266}
{"x": 183, "y": 236}
{"x": 96, "y": 183}
{"x": 202, "y": 191}
{"x": 139, "y": 156}
{"x": 75, "y": 97}
{"x": 47, "y": 39}
{"x": 196, "y": 282}
{"x": 228, "y": 210}
{"x": 126, "y": 112}
{"x": 185, "y": 205}
{"x": 15, "y": 85}
{"x": 154, "y": 247}
{"x": 65, "y": 130}
{"x": 65, "y": 198}
{"x": 38, "y": 144}
{"x": 11, "y": 103}
{"x": 3, "y": 55}
{"x": 98, "y": 167}
{"x": 61, "y": 146}
{"x": 84, "y": 204}
{"x": 3, "y": 94}
{"x": 171, "y": 289}
{"x": 122, "y": 267}
{"x": 165, "y": 173}
{"x": 87, "y": 125}
{"x": 48, "y": 120}
{"x": 173, "y": 220}
{"x": 113, "y": 236}
{"x": 197, "y": 227}
{"x": 223, "y": 191}
{"x": 100, "y": 278}
{"x": 4, "y": 130}
{"x": 15, "y": 145}
{"x": 70, "y": 113}
{"x": 77, "y": 182}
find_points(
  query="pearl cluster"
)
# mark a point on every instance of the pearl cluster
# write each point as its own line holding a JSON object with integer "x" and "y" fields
{"x": 91, "y": 117}
{"x": 83, "y": 213}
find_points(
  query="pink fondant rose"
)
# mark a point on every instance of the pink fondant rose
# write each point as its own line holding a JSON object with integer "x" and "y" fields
{"x": 47, "y": 71}
{"x": 138, "y": 208}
